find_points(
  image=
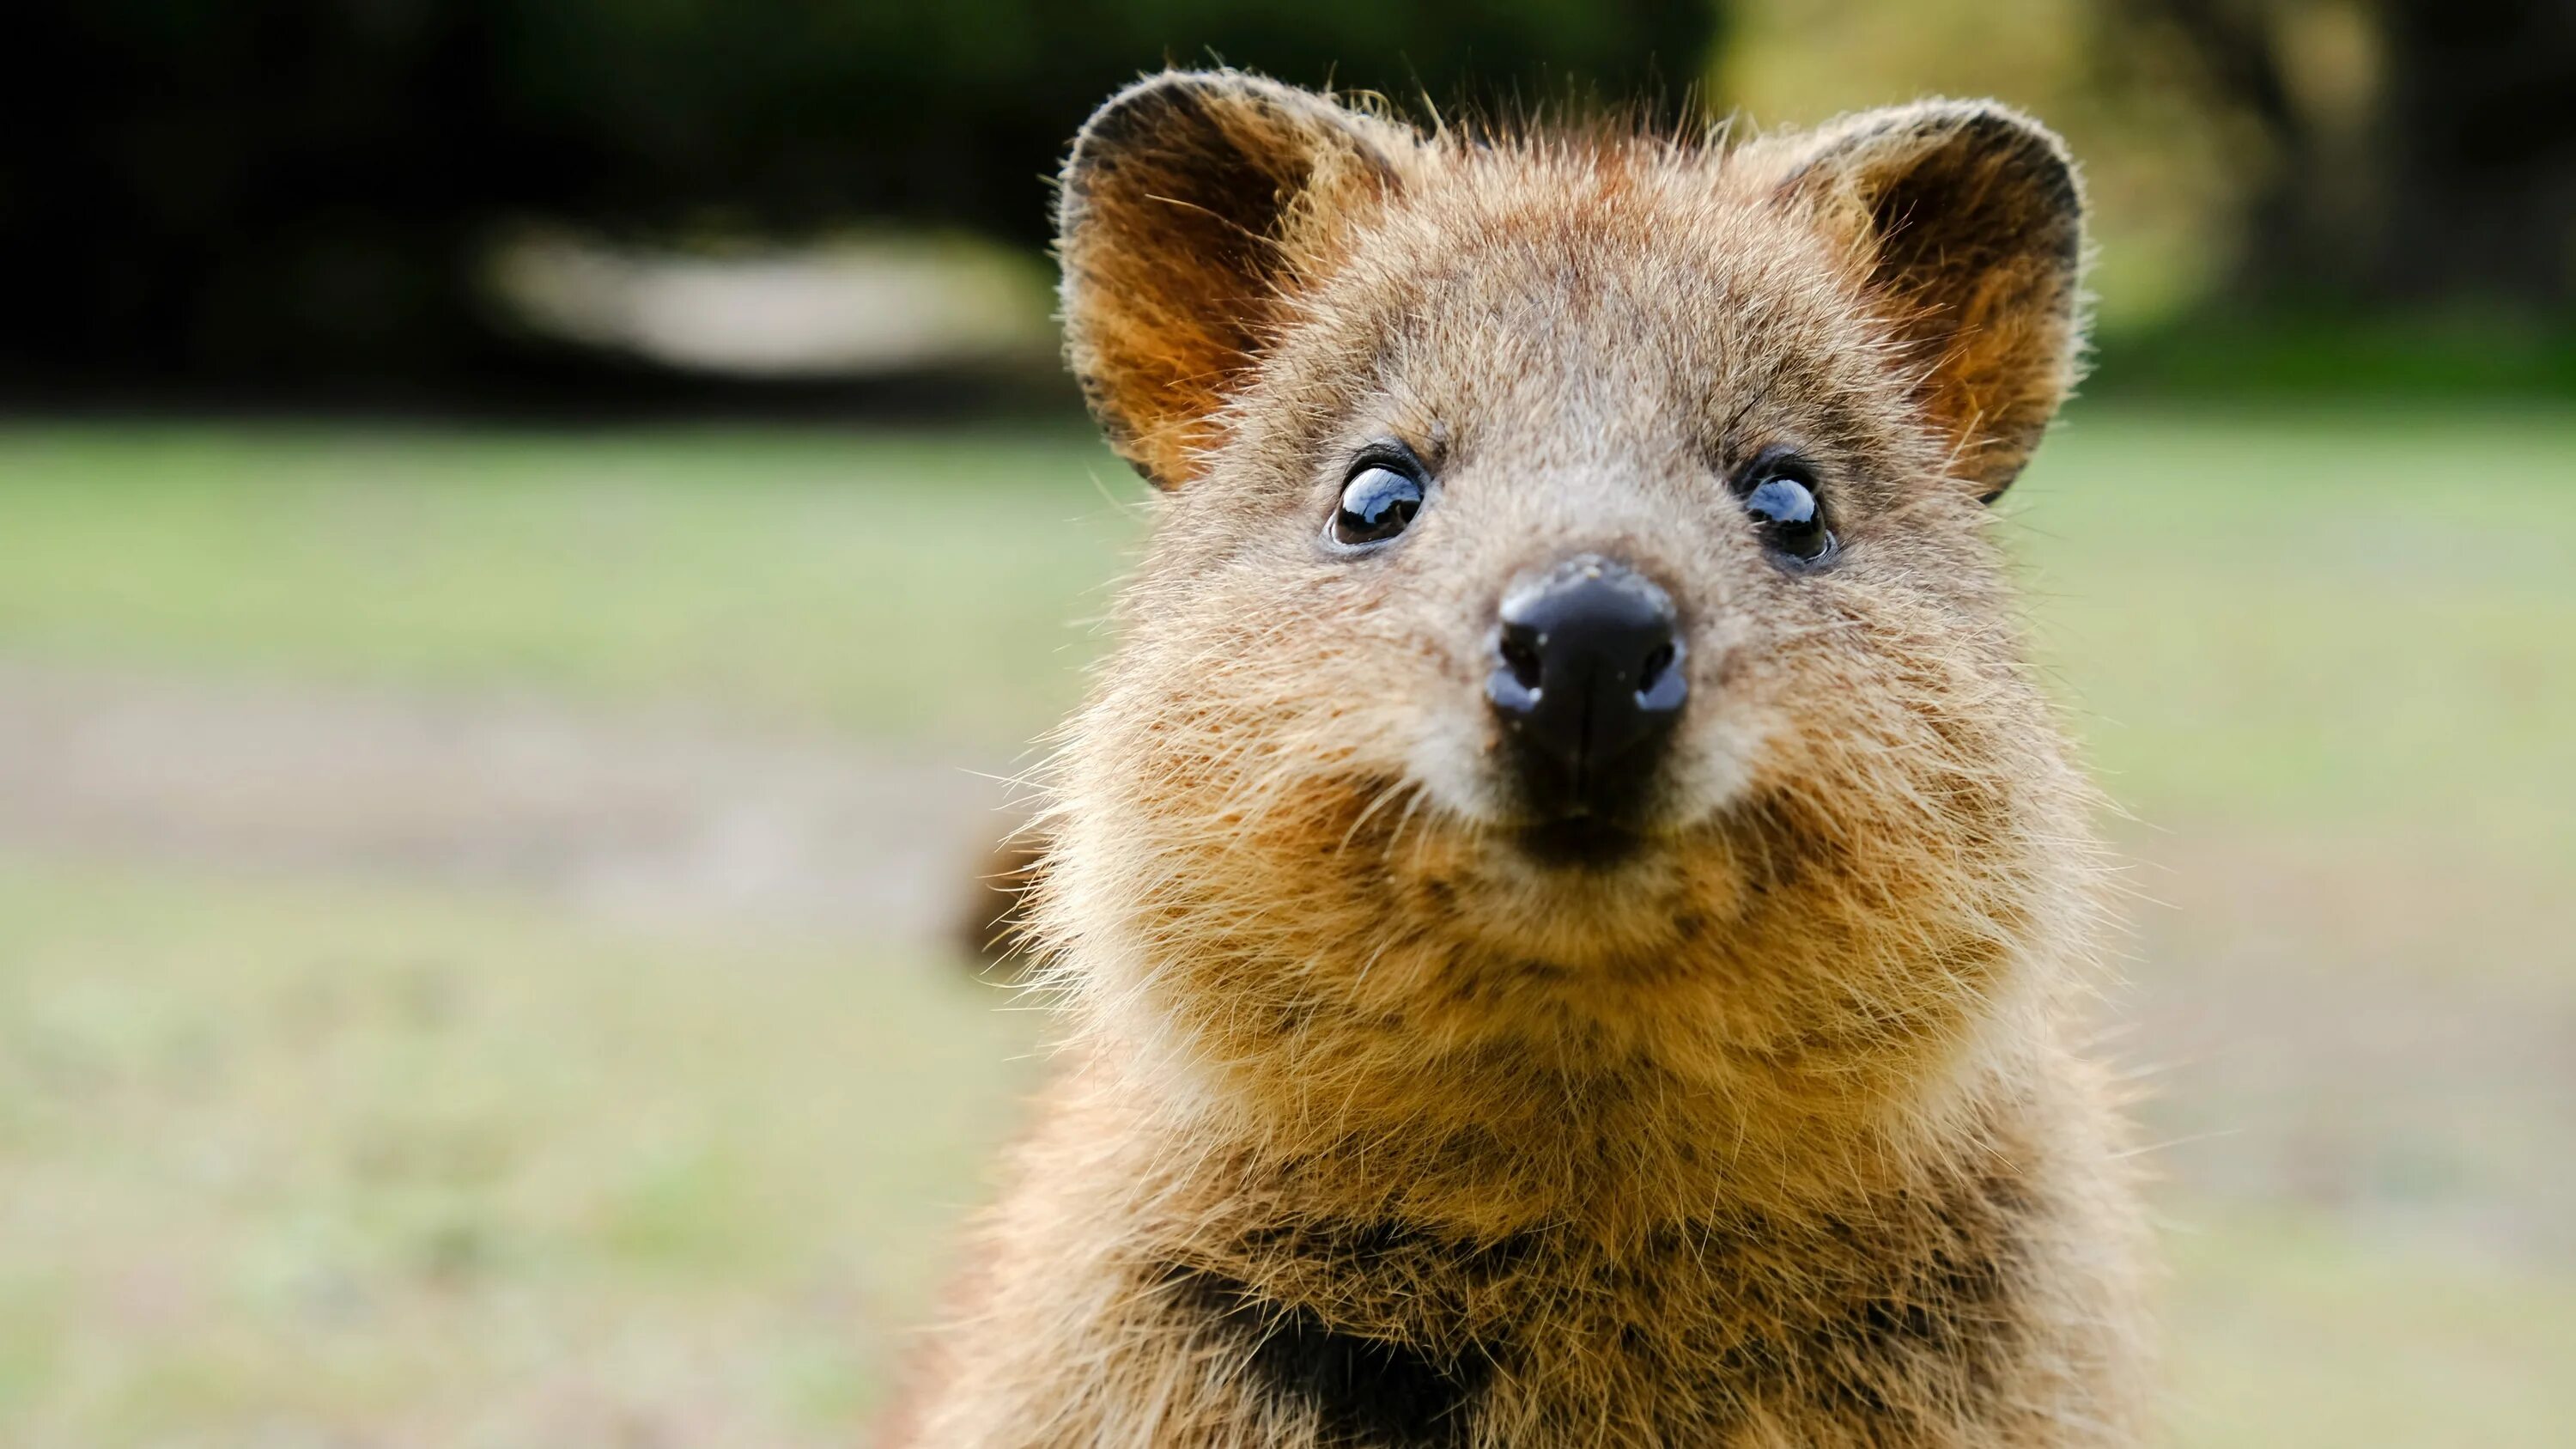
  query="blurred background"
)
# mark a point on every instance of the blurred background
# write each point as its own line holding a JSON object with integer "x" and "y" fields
{"x": 531, "y": 529}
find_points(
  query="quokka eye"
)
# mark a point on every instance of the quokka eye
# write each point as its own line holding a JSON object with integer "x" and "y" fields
{"x": 1779, "y": 491}
{"x": 1379, "y": 501}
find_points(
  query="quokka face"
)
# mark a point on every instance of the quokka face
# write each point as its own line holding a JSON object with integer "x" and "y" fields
{"x": 1570, "y": 630}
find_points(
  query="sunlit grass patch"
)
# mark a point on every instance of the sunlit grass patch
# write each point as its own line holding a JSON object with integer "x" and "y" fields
{"x": 295, "y": 1155}
{"x": 2290, "y": 1332}
{"x": 2329, "y": 615}
{"x": 932, "y": 587}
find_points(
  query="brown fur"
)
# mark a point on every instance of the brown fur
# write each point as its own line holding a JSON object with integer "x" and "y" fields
{"x": 1373, "y": 1131}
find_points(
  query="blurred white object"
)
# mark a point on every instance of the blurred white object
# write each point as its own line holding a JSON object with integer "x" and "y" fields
{"x": 849, "y": 306}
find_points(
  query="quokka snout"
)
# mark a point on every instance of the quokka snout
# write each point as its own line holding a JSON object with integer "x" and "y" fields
{"x": 1567, "y": 895}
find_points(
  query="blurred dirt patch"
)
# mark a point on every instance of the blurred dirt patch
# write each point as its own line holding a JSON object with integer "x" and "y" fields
{"x": 2380, "y": 1024}
{"x": 638, "y": 817}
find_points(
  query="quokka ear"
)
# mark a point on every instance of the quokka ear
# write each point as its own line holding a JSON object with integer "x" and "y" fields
{"x": 1967, "y": 221}
{"x": 1194, "y": 204}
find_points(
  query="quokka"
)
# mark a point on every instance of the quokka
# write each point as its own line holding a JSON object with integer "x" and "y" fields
{"x": 1571, "y": 911}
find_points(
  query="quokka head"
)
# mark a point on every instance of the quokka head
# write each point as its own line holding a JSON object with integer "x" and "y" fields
{"x": 1569, "y": 624}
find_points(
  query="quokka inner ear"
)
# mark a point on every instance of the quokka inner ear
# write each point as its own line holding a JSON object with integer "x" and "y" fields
{"x": 1968, "y": 221}
{"x": 1193, "y": 202}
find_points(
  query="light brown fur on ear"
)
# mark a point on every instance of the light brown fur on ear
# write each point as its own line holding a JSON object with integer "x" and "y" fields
{"x": 1967, "y": 219}
{"x": 1192, "y": 202}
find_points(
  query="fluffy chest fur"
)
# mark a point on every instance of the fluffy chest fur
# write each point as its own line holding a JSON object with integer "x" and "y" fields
{"x": 1248, "y": 1299}
{"x": 1888, "y": 1319}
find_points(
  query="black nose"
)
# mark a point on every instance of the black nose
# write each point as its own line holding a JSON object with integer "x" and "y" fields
{"x": 1587, "y": 682}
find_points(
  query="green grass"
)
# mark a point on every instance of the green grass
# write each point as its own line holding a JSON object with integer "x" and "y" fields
{"x": 289, "y": 1158}
{"x": 2328, "y": 617}
{"x": 895, "y": 585}
{"x": 2289, "y": 1333}
{"x": 353, "y": 1160}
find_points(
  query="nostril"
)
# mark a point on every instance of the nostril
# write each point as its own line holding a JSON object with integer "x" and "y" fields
{"x": 1653, "y": 669}
{"x": 1520, "y": 649}
{"x": 1520, "y": 668}
{"x": 1660, "y": 682}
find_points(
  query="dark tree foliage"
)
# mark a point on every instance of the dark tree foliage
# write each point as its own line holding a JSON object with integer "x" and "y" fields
{"x": 2458, "y": 184}
{"x": 288, "y": 191}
